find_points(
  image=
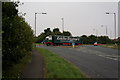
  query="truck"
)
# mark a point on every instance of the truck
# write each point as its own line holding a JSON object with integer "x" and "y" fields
{"x": 57, "y": 40}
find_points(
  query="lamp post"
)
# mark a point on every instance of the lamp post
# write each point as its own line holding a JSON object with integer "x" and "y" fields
{"x": 62, "y": 24}
{"x": 96, "y": 31}
{"x": 114, "y": 21}
{"x": 110, "y": 34}
{"x": 35, "y": 21}
{"x": 106, "y": 28}
{"x": 96, "y": 34}
{"x": 106, "y": 31}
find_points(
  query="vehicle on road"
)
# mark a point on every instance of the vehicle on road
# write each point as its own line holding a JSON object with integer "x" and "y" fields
{"x": 95, "y": 44}
{"x": 61, "y": 40}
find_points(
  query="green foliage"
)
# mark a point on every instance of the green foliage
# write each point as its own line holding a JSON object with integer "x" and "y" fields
{"x": 56, "y": 31}
{"x": 58, "y": 67}
{"x": 114, "y": 46}
{"x": 40, "y": 38}
{"x": 103, "y": 39}
{"x": 48, "y": 32}
{"x": 16, "y": 70}
{"x": 17, "y": 35}
{"x": 84, "y": 39}
{"x": 9, "y": 9}
{"x": 92, "y": 39}
{"x": 67, "y": 33}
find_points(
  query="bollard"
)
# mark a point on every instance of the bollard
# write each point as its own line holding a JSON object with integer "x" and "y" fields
{"x": 73, "y": 45}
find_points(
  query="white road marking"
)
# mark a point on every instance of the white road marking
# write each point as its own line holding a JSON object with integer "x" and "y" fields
{"x": 98, "y": 53}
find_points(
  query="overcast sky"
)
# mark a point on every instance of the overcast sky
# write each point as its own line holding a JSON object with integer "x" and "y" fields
{"x": 80, "y": 18}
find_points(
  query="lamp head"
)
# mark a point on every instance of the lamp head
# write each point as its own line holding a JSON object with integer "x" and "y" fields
{"x": 107, "y": 13}
{"x": 44, "y": 13}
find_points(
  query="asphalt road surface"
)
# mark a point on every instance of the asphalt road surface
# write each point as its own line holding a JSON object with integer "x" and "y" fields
{"x": 94, "y": 61}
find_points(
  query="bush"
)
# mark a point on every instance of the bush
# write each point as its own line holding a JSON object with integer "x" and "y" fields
{"x": 17, "y": 35}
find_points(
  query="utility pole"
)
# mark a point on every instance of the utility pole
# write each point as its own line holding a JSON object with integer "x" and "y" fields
{"x": 35, "y": 24}
{"x": 105, "y": 27}
{"x": 35, "y": 21}
{"x": 62, "y": 24}
{"x": 114, "y": 21}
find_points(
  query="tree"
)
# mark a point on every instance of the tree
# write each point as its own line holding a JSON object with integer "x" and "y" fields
{"x": 56, "y": 31}
{"x": 41, "y": 37}
{"x": 104, "y": 39}
{"x": 67, "y": 33}
{"x": 84, "y": 39}
{"x": 17, "y": 36}
{"x": 92, "y": 39}
{"x": 9, "y": 9}
{"x": 47, "y": 31}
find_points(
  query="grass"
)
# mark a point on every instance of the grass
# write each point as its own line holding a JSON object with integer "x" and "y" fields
{"x": 58, "y": 67}
{"x": 38, "y": 43}
{"x": 17, "y": 69}
{"x": 111, "y": 46}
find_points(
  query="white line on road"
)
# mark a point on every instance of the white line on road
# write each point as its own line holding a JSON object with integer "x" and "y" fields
{"x": 98, "y": 53}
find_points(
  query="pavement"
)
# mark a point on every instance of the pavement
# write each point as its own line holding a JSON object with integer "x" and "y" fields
{"x": 36, "y": 68}
{"x": 94, "y": 61}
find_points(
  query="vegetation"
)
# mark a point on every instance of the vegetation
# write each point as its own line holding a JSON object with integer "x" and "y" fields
{"x": 17, "y": 37}
{"x": 84, "y": 39}
{"x": 58, "y": 67}
{"x": 111, "y": 46}
{"x": 48, "y": 32}
{"x": 92, "y": 39}
{"x": 16, "y": 70}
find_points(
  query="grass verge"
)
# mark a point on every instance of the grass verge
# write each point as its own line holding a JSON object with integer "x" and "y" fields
{"x": 16, "y": 70}
{"x": 112, "y": 46}
{"x": 58, "y": 67}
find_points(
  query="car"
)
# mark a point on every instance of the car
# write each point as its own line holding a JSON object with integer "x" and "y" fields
{"x": 95, "y": 44}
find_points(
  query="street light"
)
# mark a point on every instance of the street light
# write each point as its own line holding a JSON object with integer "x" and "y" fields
{"x": 106, "y": 31}
{"x": 96, "y": 34}
{"x": 114, "y": 21}
{"x": 106, "y": 28}
{"x": 96, "y": 31}
{"x": 110, "y": 34}
{"x": 62, "y": 24}
{"x": 35, "y": 21}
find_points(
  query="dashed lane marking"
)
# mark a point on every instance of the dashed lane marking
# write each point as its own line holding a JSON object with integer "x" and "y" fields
{"x": 98, "y": 53}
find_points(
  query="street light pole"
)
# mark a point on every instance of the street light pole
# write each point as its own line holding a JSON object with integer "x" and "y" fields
{"x": 96, "y": 31}
{"x": 110, "y": 34}
{"x": 96, "y": 34}
{"x": 106, "y": 28}
{"x": 62, "y": 24}
{"x": 35, "y": 21}
{"x": 114, "y": 21}
{"x": 35, "y": 24}
{"x": 115, "y": 24}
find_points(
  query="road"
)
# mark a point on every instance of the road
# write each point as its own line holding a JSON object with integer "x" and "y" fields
{"x": 94, "y": 61}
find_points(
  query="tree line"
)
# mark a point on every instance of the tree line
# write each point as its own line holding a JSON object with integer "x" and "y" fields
{"x": 84, "y": 38}
{"x": 92, "y": 39}
{"x": 48, "y": 32}
{"x": 17, "y": 36}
